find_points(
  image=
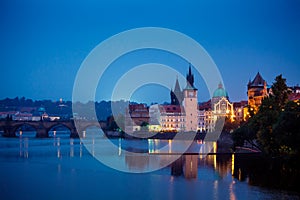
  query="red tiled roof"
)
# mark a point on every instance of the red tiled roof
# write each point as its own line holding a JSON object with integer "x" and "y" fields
{"x": 134, "y": 107}
{"x": 171, "y": 109}
{"x": 294, "y": 96}
{"x": 8, "y": 113}
{"x": 205, "y": 105}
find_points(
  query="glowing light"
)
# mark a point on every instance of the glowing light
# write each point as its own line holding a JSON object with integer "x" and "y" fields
{"x": 58, "y": 153}
{"x": 170, "y": 146}
{"x": 215, "y": 161}
{"x": 120, "y": 147}
{"x": 240, "y": 174}
{"x": 232, "y": 164}
{"x": 214, "y": 147}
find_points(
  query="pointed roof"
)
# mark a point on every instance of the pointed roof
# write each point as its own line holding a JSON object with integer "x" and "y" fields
{"x": 190, "y": 80}
{"x": 190, "y": 77}
{"x": 177, "y": 86}
{"x": 258, "y": 80}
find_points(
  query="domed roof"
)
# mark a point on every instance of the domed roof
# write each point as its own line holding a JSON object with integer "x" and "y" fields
{"x": 220, "y": 92}
{"x": 41, "y": 109}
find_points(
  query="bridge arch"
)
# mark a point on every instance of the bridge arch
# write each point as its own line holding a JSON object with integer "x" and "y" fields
{"x": 52, "y": 132}
{"x": 18, "y": 126}
{"x": 90, "y": 129}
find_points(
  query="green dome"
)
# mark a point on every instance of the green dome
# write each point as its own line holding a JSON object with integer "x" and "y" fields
{"x": 220, "y": 92}
{"x": 41, "y": 109}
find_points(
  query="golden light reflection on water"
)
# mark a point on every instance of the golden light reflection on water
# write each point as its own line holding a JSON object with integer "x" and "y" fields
{"x": 232, "y": 164}
{"x": 232, "y": 195}
{"x": 190, "y": 163}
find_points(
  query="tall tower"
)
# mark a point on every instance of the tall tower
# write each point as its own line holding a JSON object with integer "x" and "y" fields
{"x": 190, "y": 103}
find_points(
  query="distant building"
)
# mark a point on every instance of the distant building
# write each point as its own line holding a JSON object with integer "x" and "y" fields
{"x": 294, "y": 93}
{"x": 4, "y": 115}
{"x": 295, "y": 89}
{"x": 135, "y": 116}
{"x": 240, "y": 110}
{"x": 205, "y": 123}
{"x": 22, "y": 116}
{"x": 257, "y": 91}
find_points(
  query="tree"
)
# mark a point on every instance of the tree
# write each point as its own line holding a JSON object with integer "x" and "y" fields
{"x": 230, "y": 125}
{"x": 286, "y": 130}
{"x": 263, "y": 123}
{"x": 144, "y": 126}
{"x": 280, "y": 92}
{"x": 275, "y": 124}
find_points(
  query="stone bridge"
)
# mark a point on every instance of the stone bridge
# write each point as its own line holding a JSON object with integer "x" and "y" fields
{"x": 42, "y": 128}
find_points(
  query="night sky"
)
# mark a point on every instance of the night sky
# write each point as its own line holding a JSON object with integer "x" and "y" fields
{"x": 43, "y": 43}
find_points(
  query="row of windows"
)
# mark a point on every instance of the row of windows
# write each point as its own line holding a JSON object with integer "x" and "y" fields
{"x": 172, "y": 120}
{"x": 173, "y": 126}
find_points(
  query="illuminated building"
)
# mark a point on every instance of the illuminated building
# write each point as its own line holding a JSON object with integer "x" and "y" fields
{"x": 190, "y": 103}
{"x": 294, "y": 93}
{"x": 170, "y": 117}
{"x": 182, "y": 114}
{"x": 257, "y": 91}
{"x": 240, "y": 110}
{"x": 221, "y": 105}
{"x": 210, "y": 111}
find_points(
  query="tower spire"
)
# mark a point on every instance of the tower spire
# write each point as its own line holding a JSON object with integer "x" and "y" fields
{"x": 176, "y": 94}
{"x": 190, "y": 77}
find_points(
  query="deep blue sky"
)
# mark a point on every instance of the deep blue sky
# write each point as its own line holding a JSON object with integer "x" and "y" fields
{"x": 44, "y": 42}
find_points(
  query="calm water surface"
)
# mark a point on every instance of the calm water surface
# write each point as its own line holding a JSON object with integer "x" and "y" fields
{"x": 62, "y": 168}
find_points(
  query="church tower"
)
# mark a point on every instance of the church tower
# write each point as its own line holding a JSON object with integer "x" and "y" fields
{"x": 190, "y": 103}
{"x": 176, "y": 95}
{"x": 190, "y": 77}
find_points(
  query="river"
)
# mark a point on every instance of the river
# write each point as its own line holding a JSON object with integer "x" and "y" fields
{"x": 64, "y": 168}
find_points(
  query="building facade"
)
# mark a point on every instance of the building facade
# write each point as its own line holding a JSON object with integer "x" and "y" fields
{"x": 136, "y": 116}
{"x": 257, "y": 91}
{"x": 210, "y": 111}
{"x": 183, "y": 113}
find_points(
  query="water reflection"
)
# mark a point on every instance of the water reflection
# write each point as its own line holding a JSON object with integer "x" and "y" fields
{"x": 188, "y": 165}
{"x": 255, "y": 169}
{"x": 27, "y": 146}
{"x": 225, "y": 174}
{"x": 23, "y": 147}
{"x": 152, "y": 153}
